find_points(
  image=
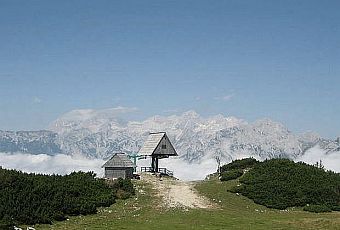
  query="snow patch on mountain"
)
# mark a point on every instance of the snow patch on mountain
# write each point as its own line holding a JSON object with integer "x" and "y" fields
{"x": 97, "y": 134}
{"x": 90, "y": 119}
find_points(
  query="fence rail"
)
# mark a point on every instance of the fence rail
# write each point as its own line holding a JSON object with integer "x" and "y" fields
{"x": 160, "y": 170}
{"x": 146, "y": 169}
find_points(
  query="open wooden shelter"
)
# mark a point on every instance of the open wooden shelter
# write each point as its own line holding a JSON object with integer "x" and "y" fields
{"x": 157, "y": 146}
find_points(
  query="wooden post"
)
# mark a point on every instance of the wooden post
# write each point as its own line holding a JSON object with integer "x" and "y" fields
{"x": 154, "y": 163}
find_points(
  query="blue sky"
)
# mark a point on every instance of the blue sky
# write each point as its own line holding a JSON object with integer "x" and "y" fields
{"x": 249, "y": 59}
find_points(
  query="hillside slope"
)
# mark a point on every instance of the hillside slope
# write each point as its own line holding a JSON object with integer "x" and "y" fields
{"x": 281, "y": 183}
{"x": 234, "y": 212}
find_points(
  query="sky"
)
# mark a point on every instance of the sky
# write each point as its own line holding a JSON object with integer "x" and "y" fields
{"x": 248, "y": 59}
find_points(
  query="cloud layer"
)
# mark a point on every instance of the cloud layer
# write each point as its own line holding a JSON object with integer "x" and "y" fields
{"x": 46, "y": 164}
{"x": 331, "y": 161}
{"x": 184, "y": 170}
{"x": 64, "y": 164}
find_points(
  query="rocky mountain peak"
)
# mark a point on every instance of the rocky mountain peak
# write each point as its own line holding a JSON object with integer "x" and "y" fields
{"x": 99, "y": 133}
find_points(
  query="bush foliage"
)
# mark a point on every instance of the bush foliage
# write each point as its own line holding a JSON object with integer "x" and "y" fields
{"x": 35, "y": 198}
{"x": 231, "y": 174}
{"x": 239, "y": 164}
{"x": 123, "y": 189}
{"x": 317, "y": 208}
{"x": 281, "y": 183}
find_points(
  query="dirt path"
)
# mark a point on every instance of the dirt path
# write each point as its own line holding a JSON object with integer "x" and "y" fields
{"x": 176, "y": 193}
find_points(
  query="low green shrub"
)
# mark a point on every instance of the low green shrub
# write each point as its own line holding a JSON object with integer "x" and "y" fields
{"x": 282, "y": 183}
{"x": 317, "y": 208}
{"x": 6, "y": 223}
{"x": 231, "y": 174}
{"x": 336, "y": 208}
{"x": 239, "y": 164}
{"x": 35, "y": 198}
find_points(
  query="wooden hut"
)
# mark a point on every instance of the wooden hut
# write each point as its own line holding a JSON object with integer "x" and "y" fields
{"x": 157, "y": 146}
{"x": 119, "y": 166}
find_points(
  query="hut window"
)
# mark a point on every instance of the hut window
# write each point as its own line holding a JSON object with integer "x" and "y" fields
{"x": 163, "y": 146}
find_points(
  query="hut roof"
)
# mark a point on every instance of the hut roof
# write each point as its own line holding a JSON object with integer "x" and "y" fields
{"x": 153, "y": 141}
{"x": 119, "y": 160}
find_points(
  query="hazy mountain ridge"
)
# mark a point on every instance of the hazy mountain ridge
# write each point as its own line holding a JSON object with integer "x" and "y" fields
{"x": 97, "y": 134}
{"x": 36, "y": 142}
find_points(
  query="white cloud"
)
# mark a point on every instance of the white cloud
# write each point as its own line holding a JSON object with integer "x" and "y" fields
{"x": 46, "y": 164}
{"x": 227, "y": 97}
{"x": 171, "y": 111}
{"x": 37, "y": 100}
{"x": 118, "y": 110}
{"x": 188, "y": 172}
{"x": 183, "y": 170}
{"x": 86, "y": 114}
{"x": 331, "y": 161}
{"x": 65, "y": 164}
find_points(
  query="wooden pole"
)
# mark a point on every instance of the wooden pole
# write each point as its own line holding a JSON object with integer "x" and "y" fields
{"x": 153, "y": 163}
{"x": 156, "y": 164}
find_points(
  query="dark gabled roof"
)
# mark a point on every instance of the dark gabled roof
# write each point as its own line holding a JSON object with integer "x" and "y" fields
{"x": 119, "y": 160}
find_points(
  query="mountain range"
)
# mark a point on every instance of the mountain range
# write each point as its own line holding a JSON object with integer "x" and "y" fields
{"x": 99, "y": 133}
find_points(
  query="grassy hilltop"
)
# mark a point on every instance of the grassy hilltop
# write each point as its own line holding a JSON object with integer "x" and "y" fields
{"x": 282, "y": 183}
{"x": 234, "y": 211}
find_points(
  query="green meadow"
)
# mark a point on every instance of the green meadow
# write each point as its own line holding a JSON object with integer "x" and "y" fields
{"x": 233, "y": 211}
